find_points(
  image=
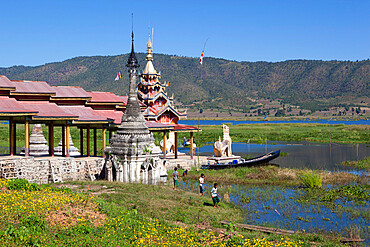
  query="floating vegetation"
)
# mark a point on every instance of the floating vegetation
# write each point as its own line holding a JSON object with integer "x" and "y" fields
{"x": 360, "y": 164}
{"x": 332, "y": 209}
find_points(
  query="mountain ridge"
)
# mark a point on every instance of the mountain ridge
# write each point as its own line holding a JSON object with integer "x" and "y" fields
{"x": 313, "y": 84}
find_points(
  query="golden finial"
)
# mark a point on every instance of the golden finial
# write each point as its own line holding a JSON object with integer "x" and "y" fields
{"x": 149, "y": 49}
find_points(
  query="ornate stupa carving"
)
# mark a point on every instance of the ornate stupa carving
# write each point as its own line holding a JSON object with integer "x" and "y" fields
{"x": 73, "y": 151}
{"x": 38, "y": 144}
{"x": 131, "y": 154}
{"x": 152, "y": 92}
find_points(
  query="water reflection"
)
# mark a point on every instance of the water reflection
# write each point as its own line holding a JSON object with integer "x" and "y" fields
{"x": 300, "y": 154}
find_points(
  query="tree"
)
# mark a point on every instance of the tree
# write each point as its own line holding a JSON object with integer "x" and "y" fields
{"x": 280, "y": 113}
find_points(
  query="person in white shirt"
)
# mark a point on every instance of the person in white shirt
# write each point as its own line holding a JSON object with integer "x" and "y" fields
{"x": 201, "y": 184}
{"x": 215, "y": 195}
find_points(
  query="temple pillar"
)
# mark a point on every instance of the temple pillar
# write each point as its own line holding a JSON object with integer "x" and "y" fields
{"x": 26, "y": 139}
{"x": 11, "y": 136}
{"x": 175, "y": 145}
{"x": 164, "y": 144}
{"x": 67, "y": 140}
{"x": 88, "y": 141}
{"x": 95, "y": 147}
{"x": 104, "y": 133}
{"x": 14, "y": 138}
{"x": 191, "y": 144}
{"x": 82, "y": 142}
{"x": 63, "y": 141}
{"x": 51, "y": 138}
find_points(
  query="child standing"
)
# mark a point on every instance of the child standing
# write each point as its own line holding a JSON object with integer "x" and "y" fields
{"x": 201, "y": 184}
{"x": 215, "y": 195}
{"x": 175, "y": 176}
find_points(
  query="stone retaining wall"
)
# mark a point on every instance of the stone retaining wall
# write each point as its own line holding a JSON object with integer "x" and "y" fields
{"x": 44, "y": 170}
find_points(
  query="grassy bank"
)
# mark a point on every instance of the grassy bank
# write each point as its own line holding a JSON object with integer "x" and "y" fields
{"x": 273, "y": 175}
{"x": 116, "y": 214}
{"x": 259, "y": 133}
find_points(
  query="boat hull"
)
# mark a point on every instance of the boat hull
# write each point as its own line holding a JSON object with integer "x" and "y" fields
{"x": 249, "y": 162}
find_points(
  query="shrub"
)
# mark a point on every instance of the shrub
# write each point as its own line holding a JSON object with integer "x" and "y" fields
{"x": 311, "y": 180}
{"x": 33, "y": 222}
{"x": 21, "y": 184}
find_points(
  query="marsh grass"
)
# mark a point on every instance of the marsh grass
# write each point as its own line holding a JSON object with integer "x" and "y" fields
{"x": 312, "y": 132}
{"x": 311, "y": 179}
{"x": 275, "y": 176}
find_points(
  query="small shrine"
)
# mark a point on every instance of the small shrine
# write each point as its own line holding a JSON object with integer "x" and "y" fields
{"x": 152, "y": 93}
{"x": 222, "y": 149}
{"x": 73, "y": 151}
{"x": 38, "y": 144}
{"x": 132, "y": 155}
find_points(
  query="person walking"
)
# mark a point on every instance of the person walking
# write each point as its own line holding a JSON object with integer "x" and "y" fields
{"x": 201, "y": 184}
{"x": 215, "y": 195}
{"x": 175, "y": 176}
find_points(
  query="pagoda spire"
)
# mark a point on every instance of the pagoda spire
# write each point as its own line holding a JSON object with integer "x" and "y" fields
{"x": 149, "y": 45}
{"x": 132, "y": 61}
{"x": 132, "y": 135}
{"x": 133, "y": 107}
{"x": 149, "y": 68}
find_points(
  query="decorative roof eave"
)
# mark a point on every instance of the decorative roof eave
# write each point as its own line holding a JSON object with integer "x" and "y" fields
{"x": 92, "y": 121}
{"x": 7, "y": 88}
{"x": 145, "y": 83}
{"x": 105, "y": 103}
{"x": 11, "y": 114}
{"x": 168, "y": 107}
{"x": 160, "y": 111}
{"x": 32, "y": 94}
{"x": 53, "y": 118}
{"x": 155, "y": 96}
{"x": 69, "y": 98}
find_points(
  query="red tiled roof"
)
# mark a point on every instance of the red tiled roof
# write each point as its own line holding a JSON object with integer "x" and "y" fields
{"x": 152, "y": 124}
{"x": 6, "y": 83}
{"x": 183, "y": 127}
{"x": 10, "y": 105}
{"x": 83, "y": 113}
{"x": 46, "y": 109}
{"x": 111, "y": 114}
{"x": 104, "y": 97}
{"x": 70, "y": 92}
{"x": 34, "y": 87}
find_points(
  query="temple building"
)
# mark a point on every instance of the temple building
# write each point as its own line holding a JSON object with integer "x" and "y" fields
{"x": 152, "y": 92}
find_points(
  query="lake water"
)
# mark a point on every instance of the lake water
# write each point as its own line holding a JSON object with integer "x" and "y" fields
{"x": 235, "y": 122}
{"x": 280, "y": 207}
{"x": 323, "y": 156}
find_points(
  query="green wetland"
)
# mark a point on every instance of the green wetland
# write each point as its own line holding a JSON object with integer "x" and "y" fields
{"x": 308, "y": 201}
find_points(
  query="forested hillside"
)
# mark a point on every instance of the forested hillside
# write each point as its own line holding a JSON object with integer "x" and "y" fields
{"x": 311, "y": 84}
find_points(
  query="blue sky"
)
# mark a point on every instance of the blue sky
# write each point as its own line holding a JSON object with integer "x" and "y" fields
{"x": 38, "y": 32}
